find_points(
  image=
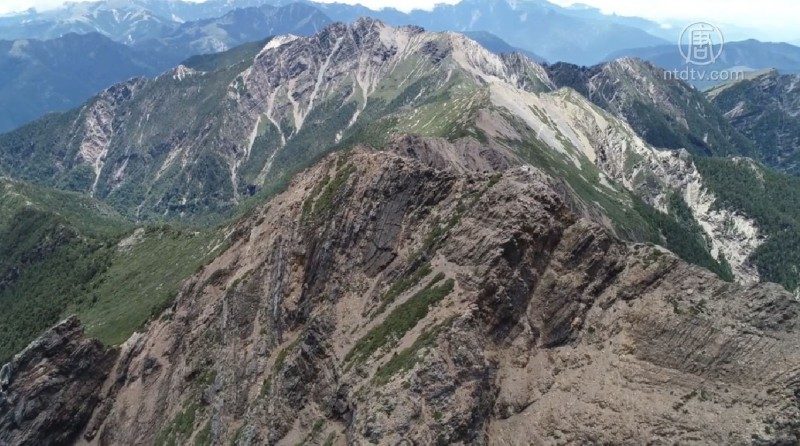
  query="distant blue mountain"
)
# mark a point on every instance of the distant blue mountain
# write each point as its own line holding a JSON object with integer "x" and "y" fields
{"x": 42, "y": 76}
{"x": 499, "y": 46}
{"x": 235, "y": 28}
{"x": 37, "y": 77}
{"x": 747, "y": 55}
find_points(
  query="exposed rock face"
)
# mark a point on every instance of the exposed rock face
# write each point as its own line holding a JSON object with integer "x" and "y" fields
{"x": 99, "y": 122}
{"x": 380, "y": 300}
{"x": 584, "y": 132}
{"x": 462, "y": 156}
{"x": 198, "y": 141}
{"x": 658, "y": 175}
{"x": 49, "y": 390}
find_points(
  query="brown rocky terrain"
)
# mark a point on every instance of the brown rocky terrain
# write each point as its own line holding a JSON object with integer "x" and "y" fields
{"x": 49, "y": 390}
{"x": 430, "y": 294}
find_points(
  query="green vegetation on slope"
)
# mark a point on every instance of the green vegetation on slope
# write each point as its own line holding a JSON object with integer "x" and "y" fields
{"x": 234, "y": 56}
{"x": 180, "y": 428}
{"x": 765, "y": 109}
{"x": 51, "y": 244}
{"x": 771, "y": 199}
{"x": 408, "y": 358}
{"x": 401, "y": 320}
{"x": 60, "y": 254}
{"x": 403, "y": 284}
{"x": 142, "y": 280}
{"x": 321, "y": 201}
{"x": 46, "y": 265}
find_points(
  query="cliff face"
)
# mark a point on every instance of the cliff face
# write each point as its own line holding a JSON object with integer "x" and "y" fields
{"x": 380, "y": 299}
{"x": 49, "y": 390}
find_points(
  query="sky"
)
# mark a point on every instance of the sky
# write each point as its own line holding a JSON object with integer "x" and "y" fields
{"x": 769, "y": 19}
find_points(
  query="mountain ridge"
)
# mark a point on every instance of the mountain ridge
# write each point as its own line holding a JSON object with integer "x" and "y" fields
{"x": 423, "y": 312}
{"x": 608, "y": 33}
{"x": 740, "y": 56}
{"x": 765, "y": 108}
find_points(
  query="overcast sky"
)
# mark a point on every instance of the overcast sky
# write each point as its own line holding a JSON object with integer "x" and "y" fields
{"x": 774, "y": 19}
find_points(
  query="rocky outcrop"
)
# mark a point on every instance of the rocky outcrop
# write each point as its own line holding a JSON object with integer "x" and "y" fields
{"x": 383, "y": 300}
{"x": 571, "y": 126}
{"x": 49, "y": 390}
{"x": 462, "y": 155}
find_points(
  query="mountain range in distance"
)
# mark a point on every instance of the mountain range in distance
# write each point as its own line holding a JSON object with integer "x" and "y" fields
{"x": 38, "y": 77}
{"x": 59, "y": 73}
{"x": 400, "y": 236}
{"x": 161, "y": 34}
{"x": 744, "y": 56}
{"x": 136, "y": 20}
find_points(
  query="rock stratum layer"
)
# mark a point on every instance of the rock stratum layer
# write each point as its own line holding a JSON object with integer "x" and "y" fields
{"x": 423, "y": 296}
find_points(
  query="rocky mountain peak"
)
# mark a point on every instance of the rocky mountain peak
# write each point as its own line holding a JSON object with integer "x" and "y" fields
{"x": 633, "y": 64}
